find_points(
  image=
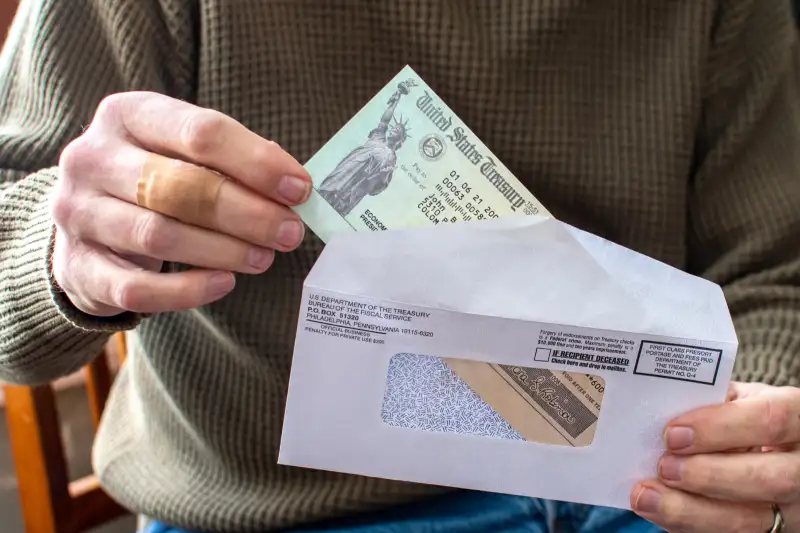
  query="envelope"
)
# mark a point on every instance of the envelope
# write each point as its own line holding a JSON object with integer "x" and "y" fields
{"x": 518, "y": 355}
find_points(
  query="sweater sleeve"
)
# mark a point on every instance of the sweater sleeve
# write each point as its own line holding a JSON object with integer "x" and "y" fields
{"x": 59, "y": 61}
{"x": 744, "y": 201}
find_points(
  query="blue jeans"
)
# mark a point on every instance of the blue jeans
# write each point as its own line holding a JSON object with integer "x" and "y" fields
{"x": 480, "y": 512}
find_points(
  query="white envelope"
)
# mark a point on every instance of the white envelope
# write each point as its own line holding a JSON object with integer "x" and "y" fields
{"x": 520, "y": 293}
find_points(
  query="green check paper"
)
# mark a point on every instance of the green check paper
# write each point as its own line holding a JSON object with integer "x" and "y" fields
{"x": 406, "y": 160}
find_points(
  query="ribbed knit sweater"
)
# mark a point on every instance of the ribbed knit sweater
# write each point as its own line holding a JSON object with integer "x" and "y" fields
{"x": 670, "y": 127}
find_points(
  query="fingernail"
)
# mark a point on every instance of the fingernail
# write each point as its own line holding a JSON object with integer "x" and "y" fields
{"x": 679, "y": 437}
{"x": 220, "y": 284}
{"x": 290, "y": 233}
{"x": 293, "y": 189}
{"x": 648, "y": 501}
{"x": 260, "y": 257}
{"x": 670, "y": 468}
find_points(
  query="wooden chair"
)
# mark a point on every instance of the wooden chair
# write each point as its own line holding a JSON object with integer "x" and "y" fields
{"x": 50, "y": 502}
{"x": 8, "y": 8}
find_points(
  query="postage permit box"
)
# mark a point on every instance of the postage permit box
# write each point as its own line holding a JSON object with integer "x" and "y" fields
{"x": 517, "y": 355}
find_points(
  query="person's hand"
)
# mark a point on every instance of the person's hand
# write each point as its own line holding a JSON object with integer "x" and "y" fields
{"x": 726, "y": 464}
{"x": 109, "y": 250}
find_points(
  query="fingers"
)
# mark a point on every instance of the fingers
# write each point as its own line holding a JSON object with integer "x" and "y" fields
{"x": 755, "y": 477}
{"x": 678, "y": 511}
{"x": 237, "y": 212}
{"x": 109, "y": 249}
{"x": 243, "y": 214}
{"x": 208, "y": 138}
{"x": 102, "y": 284}
{"x": 129, "y": 229}
{"x": 771, "y": 418}
{"x": 738, "y": 390}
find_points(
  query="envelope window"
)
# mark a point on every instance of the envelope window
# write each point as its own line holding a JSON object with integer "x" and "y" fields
{"x": 496, "y": 401}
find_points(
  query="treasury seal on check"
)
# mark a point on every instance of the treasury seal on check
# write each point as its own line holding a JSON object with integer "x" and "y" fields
{"x": 432, "y": 147}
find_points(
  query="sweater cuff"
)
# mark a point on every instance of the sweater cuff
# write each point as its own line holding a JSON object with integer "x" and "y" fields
{"x": 43, "y": 336}
{"x": 39, "y": 245}
{"x": 769, "y": 347}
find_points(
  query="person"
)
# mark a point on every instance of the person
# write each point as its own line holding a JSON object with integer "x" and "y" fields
{"x": 671, "y": 128}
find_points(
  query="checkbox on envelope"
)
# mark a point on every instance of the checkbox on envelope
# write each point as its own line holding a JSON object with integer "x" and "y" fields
{"x": 542, "y": 355}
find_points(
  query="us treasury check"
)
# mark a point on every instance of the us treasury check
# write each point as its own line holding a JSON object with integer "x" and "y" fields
{"x": 409, "y": 161}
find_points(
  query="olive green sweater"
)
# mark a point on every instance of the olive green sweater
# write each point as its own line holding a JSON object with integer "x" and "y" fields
{"x": 671, "y": 127}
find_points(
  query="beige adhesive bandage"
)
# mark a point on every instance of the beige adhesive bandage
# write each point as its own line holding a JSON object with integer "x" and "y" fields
{"x": 179, "y": 190}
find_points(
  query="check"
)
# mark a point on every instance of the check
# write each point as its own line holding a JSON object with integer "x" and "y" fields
{"x": 541, "y": 405}
{"x": 409, "y": 161}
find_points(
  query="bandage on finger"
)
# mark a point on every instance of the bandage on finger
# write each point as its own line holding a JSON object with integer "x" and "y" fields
{"x": 180, "y": 190}
{"x": 201, "y": 197}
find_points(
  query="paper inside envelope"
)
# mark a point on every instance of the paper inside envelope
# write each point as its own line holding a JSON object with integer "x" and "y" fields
{"x": 501, "y": 292}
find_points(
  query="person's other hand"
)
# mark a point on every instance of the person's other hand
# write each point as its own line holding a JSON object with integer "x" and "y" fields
{"x": 726, "y": 464}
{"x": 109, "y": 250}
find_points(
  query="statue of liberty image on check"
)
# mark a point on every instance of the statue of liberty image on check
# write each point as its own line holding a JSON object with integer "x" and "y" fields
{"x": 367, "y": 170}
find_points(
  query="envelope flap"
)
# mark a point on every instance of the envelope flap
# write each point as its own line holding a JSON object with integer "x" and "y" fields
{"x": 687, "y": 305}
{"x": 530, "y": 268}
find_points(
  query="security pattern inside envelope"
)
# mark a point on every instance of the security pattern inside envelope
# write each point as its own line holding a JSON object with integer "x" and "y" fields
{"x": 500, "y": 401}
{"x": 422, "y": 392}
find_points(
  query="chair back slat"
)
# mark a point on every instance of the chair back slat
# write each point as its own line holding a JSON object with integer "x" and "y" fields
{"x": 91, "y": 506}
{"x": 50, "y": 502}
{"x": 37, "y": 447}
{"x": 98, "y": 385}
